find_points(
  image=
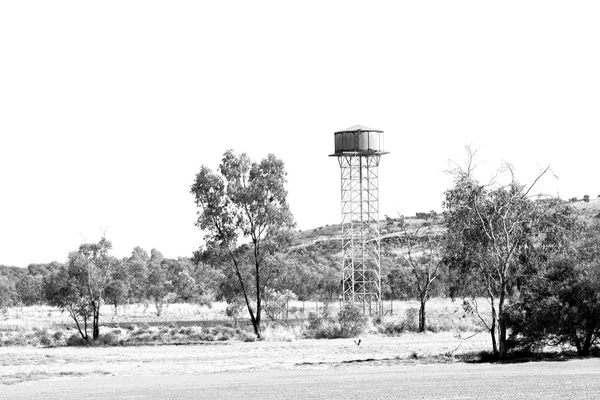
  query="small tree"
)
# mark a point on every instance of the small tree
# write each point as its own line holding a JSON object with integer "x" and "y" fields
{"x": 78, "y": 287}
{"x": 560, "y": 303}
{"x": 246, "y": 202}
{"x": 116, "y": 293}
{"x": 586, "y": 198}
{"x": 492, "y": 232}
{"x": 425, "y": 257}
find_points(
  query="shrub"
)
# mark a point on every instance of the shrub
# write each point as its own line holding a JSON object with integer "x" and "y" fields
{"x": 389, "y": 326}
{"x": 247, "y": 336}
{"x": 109, "y": 339}
{"x": 349, "y": 323}
{"x": 352, "y": 321}
{"x": 586, "y": 198}
{"x": 76, "y": 340}
{"x": 223, "y": 333}
{"x": 411, "y": 321}
{"x": 142, "y": 338}
{"x": 45, "y": 340}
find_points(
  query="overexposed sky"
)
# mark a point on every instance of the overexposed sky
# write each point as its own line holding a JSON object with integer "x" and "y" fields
{"x": 108, "y": 109}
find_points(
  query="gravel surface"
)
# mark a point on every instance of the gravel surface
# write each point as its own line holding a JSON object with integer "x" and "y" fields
{"x": 576, "y": 379}
{"x": 409, "y": 366}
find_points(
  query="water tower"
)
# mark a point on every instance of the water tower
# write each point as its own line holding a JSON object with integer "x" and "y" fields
{"x": 359, "y": 150}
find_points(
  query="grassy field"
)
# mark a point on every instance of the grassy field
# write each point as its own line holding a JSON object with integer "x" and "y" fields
{"x": 41, "y": 343}
{"x": 136, "y": 324}
{"x": 23, "y": 363}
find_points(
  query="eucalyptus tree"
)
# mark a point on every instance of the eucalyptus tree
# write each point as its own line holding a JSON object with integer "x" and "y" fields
{"x": 425, "y": 253}
{"x": 79, "y": 286}
{"x": 560, "y": 302}
{"x": 244, "y": 213}
{"x": 494, "y": 233}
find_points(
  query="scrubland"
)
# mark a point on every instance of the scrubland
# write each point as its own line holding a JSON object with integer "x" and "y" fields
{"x": 137, "y": 324}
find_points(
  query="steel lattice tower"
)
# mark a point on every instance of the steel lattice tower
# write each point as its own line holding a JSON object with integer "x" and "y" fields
{"x": 359, "y": 150}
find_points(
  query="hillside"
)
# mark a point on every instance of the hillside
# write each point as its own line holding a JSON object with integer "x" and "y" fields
{"x": 327, "y": 239}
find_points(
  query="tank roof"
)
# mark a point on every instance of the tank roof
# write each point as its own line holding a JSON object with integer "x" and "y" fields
{"x": 359, "y": 128}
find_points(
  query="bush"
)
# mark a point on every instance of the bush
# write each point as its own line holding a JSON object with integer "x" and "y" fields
{"x": 109, "y": 339}
{"x": 349, "y": 323}
{"x": 247, "y": 336}
{"x": 352, "y": 321}
{"x": 222, "y": 333}
{"x": 411, "y": 319}
{"x": 75, "y": 340}
{"x": 389, "y": 326}
{"x": 45, "y": 340}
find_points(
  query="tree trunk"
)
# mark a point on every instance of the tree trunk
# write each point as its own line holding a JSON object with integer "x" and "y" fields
{"x": 256, "y": 322}
{"x": 501, "y": 328}
{"x": 587, "y": 343}
{"x": 493, "y": 330}
{"x": 96, "y": 321}
{"x": 422, "y": 316}
{"x": 577, "y": 343}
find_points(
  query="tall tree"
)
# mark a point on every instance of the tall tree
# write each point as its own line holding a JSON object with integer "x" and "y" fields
{"x": 492, "y": 230}
{"x": 137, "y": 270}
{"x": 29, "y": 288}
{"x": 245, "y": 202}
{"x": 160, "y": 288}
{"x": 8, "y": 292}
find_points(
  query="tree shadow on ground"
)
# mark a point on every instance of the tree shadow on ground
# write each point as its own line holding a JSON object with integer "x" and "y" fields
{"x": 524, "y": 356}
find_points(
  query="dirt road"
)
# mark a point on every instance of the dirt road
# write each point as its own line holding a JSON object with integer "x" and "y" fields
{"x": 409, "y": 366}
{"x": 576, "y": 379}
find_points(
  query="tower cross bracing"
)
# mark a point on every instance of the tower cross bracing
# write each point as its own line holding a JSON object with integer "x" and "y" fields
{"x": 359, "y": 152}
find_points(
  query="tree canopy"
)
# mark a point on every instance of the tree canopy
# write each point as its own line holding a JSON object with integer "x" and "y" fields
{"x": 244, "y": 213}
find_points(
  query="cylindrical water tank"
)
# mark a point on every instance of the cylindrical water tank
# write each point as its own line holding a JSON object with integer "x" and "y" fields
{"x": 359, "y": 139}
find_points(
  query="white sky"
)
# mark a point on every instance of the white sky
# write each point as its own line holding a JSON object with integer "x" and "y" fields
{"x": 108, "y": 109}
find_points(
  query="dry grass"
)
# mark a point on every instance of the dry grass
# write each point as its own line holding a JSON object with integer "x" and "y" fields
{"x": 44, "y": 326}
{"x": 24, "y": 363}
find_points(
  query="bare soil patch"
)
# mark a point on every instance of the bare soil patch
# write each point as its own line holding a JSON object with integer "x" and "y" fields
{"x": 18, "y": 364}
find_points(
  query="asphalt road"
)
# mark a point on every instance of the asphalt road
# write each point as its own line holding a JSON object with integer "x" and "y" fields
{"x": 575, "y": 379}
